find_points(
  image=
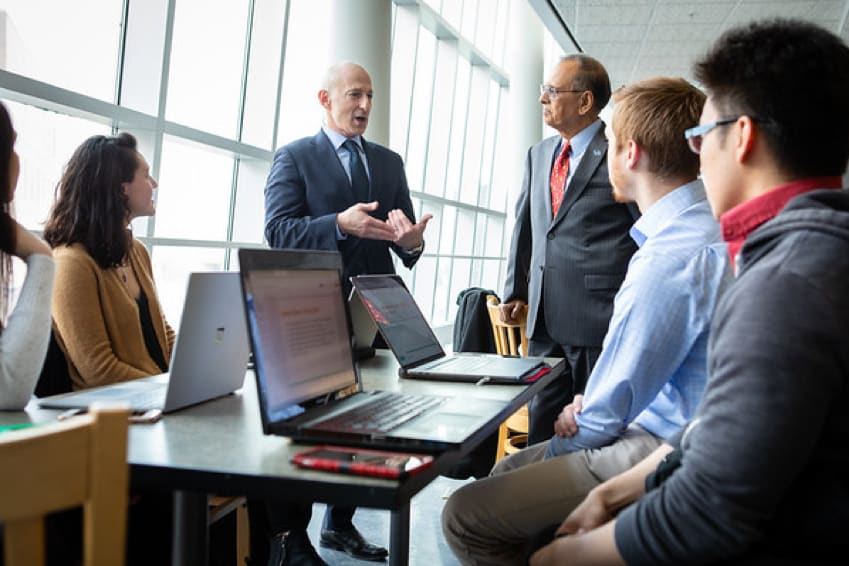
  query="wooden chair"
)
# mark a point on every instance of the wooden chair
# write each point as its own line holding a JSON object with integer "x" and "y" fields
{"x": 219, "y": 507}
{"x": 510, "y": 339}
{"x": 82, "y": 461}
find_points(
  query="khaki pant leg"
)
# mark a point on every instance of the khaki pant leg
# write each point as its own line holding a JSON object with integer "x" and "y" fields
{"x": 489, "y": 521}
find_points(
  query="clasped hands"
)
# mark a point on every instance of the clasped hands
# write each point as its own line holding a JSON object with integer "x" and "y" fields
{"x": 397, "y": 228}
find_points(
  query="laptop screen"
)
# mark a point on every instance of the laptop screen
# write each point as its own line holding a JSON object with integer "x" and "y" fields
{"x": 300, "y": 337}
{"x": 399, "y": 318}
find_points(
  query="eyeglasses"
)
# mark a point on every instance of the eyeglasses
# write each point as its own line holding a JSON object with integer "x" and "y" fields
{"x": 696, "y": 135}
{"x": 552, "y": 92}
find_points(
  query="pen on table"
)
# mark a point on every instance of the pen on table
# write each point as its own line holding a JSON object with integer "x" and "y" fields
{"x": 69, "y": 413}
{"x": 483, "y": 380}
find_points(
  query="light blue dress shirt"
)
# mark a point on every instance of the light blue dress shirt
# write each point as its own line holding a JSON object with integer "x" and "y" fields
{"x": 337, "y": 140}
{"x": 653, "y": 364}
{"x": 580, "y": 142}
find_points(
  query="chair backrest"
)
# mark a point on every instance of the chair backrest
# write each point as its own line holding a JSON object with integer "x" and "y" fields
{"x": 81, "y": 461}
{"x": 508, "y": 337}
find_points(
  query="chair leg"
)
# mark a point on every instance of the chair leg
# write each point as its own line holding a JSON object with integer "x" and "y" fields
{"x": 221, "y": 506}
{"x": 502, "y": 439}
{"x": 243, "y": 535}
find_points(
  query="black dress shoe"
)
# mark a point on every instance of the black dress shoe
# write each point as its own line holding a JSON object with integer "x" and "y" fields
{"x": 352, "y": 542}
{"x": 293, "y": 549}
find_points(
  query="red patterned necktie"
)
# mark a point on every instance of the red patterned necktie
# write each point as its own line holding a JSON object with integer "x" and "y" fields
{"x": 558, "y": 178}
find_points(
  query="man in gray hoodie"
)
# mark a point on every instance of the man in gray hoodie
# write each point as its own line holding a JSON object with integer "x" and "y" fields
{"x": 760, "y": 474}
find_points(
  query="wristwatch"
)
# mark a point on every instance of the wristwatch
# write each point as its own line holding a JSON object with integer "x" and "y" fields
{"x": 416, "y": 250}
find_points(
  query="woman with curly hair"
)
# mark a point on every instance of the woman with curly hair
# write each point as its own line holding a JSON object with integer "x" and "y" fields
{"x": 107, "y": 316}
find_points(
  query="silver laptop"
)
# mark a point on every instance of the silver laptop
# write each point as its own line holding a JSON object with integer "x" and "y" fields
{"x": 208, "y": 361}
{"x": 418, "y": 351}
{"x": 308, "y": 386}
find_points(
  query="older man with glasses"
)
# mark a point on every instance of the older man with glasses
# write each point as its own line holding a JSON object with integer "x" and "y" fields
{"x": 570, "y": 247}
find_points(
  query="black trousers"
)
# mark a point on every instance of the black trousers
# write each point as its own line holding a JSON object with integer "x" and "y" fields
{"x": 268, "y": 518}
{"x": 546, "y": 406}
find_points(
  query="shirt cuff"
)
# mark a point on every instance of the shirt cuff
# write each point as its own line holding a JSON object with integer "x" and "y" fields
{"x": 416, "y": 250}
{"x": 339, "y": 234}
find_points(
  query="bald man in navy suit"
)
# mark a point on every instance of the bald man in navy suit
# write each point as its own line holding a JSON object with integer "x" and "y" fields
{"x": 311, "y": 199}
{"x": 337, "y": 191}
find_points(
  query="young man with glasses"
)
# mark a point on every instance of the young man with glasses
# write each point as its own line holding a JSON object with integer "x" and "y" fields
{"x": 760, "y": 475}
{"x": 652, "y": 369}
{"x": 570, "y": 246}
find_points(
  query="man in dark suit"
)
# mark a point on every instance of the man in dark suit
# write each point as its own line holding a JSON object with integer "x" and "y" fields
{"x": 336, "y": 191}
{"x": 317, "y": 198}
{"x": 570, "y": 247}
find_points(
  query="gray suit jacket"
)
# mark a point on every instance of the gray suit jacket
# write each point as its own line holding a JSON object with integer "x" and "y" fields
{"x": 308, "y": 186}
{"x": 571, "y": 265}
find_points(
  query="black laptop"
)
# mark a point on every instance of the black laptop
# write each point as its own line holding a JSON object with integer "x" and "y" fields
{"x": 308, "y": 386}
{"x": 418, "y": 351}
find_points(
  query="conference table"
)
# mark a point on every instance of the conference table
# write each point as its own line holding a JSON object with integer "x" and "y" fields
{"x": 218, "y": 447}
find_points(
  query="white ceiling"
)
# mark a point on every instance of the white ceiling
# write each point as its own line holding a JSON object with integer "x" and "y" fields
{"x": 636, "y": 39}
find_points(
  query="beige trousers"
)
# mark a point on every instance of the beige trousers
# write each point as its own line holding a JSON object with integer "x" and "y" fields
{"x": 490, "y": 521}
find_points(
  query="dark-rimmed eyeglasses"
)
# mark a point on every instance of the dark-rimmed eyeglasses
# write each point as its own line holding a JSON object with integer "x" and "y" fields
{"x": 552, "y": 92}
{"x": 696, "y": 135}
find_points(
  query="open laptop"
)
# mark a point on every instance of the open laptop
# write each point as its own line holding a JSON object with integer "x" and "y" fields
{"x": 363, "y": 328}
{"x": 417, "y": 349}
{"x": 308, "y": 386}
{"x": 208, "y": 361}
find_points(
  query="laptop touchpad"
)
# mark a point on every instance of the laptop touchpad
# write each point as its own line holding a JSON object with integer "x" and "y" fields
{"x": 439, "y": 426}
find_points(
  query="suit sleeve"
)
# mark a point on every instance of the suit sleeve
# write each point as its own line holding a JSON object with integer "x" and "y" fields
{"x": 519, "y": 258}
{"x": 403, "y": 202}
{"x": 287, "y": 222}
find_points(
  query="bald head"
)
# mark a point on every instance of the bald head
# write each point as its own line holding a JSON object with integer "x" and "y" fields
{"x": 346, "y": 96}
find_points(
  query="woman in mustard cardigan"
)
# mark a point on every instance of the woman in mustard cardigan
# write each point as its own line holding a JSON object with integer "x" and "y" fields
{"x": 107, "y": 316}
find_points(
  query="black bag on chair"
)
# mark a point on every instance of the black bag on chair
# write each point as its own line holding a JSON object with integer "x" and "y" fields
{"x": 55, "y": 377}
{"x": 472, "y": 329}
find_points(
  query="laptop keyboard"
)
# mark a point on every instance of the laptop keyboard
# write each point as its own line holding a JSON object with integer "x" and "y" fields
{"x": 381, "y": 415}
{"x": 139, "y": 399}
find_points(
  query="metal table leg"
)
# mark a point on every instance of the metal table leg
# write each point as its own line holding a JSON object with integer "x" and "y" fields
{"x": 191, "y": 531}
{"x": 399, "y": 536}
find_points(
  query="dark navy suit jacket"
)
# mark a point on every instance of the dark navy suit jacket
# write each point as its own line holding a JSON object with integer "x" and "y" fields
{"x": 570, "y": 265}
{"x": 308, "y": 186}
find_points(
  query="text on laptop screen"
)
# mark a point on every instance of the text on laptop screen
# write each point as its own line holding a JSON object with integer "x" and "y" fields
{"x": 300, "y": 333}
{"x": 397, "y": 315}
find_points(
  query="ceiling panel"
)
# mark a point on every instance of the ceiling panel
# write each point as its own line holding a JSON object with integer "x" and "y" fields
{"x": 637, "y": 39}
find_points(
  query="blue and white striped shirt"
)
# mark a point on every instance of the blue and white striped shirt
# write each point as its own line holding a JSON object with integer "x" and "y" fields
{"x": 653, "y": 364}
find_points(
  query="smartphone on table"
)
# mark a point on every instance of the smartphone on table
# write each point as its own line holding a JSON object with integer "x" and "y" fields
{"x": 392, "y": 465}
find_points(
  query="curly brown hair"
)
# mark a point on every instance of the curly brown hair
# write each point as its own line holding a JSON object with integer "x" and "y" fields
{"x": 91, "y": 207}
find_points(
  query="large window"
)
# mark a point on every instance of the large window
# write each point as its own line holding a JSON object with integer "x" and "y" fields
{"x": 211, "y": 87}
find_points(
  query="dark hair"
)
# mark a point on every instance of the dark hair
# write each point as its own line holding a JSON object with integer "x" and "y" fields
{"x": 793, "y": 77}
{"x": 655, "y": 113}
{"x": 91, "y": 207}
{"x": 591, "y": 76}
{"x": 7, "y": 224}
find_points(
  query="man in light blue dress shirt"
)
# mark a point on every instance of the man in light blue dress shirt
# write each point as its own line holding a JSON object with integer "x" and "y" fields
{"x": 651, "y": 372}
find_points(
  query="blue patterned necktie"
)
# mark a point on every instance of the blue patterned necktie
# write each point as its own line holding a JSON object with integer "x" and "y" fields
{"x": 359, "y": 179}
